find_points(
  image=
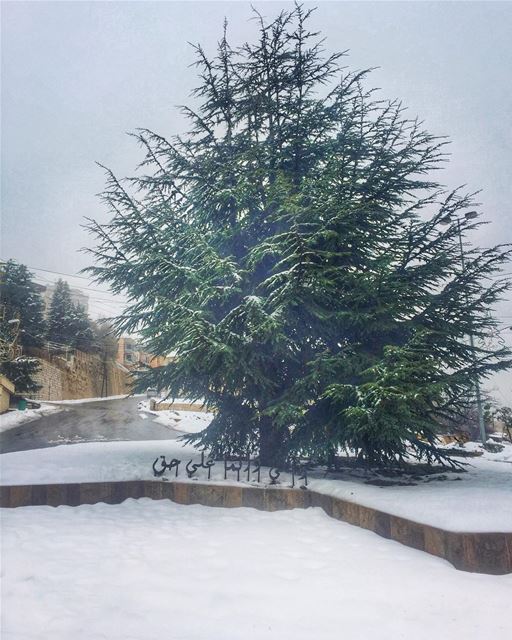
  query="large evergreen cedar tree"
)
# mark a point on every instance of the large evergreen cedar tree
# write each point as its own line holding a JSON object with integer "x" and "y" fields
{"x": 289, "y": 250}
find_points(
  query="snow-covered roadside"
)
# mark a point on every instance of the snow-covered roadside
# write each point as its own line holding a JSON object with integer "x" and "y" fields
{"x": 478, "y": 500}
{"x": 15, "y": 418}
{"x": 183, "y": 421}
{"x": 145, "y": 569}
{"x": 89, "y": 461}
{"x": 104, "y": 399}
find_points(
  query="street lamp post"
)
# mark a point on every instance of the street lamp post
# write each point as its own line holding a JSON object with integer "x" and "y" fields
{"x": 470, "y": 215}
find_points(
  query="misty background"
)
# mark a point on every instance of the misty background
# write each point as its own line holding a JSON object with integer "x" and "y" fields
{"x": 76, "y": 76}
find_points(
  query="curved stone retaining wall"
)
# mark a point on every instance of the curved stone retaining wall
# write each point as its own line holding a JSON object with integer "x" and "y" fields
{"x": 478, "y": 552}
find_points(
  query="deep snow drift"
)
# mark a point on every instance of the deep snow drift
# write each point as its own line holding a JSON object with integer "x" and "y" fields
{"x": 147, "y": 569}
{"x": 478, "y": 500}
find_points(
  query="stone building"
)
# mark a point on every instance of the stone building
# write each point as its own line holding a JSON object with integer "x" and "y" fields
{"x": 131, "y": 355}
{"x": 126, "y": 352}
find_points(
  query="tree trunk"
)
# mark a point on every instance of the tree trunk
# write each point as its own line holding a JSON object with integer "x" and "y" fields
{"x": 271, "y": 444}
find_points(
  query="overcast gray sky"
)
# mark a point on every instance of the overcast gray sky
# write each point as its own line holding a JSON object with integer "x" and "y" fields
{"x": 78, "y": 75}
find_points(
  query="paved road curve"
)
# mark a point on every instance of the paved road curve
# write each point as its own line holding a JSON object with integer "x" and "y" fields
{"x": 88, "y": 422}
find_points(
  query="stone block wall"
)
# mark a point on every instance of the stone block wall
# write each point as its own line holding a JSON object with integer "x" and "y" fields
{"x": 484, "y": 552}
{"x": 80, "y": 375}
{"x": 177, "y": 406}
{"x": 51, "y": 380}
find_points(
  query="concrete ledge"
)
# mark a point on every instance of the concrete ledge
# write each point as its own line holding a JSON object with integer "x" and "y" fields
{"x": 484, "y": 552}
{"x": 154, "y": 405}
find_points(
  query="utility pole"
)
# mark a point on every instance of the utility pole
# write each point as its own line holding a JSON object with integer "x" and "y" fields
{"x": 470, "y": 215}
{"x": 104, "y": 381}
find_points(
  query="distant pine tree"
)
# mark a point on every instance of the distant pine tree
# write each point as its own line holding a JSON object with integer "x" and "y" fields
{"x": 84, "y": 339}
{"x": 61, "y": 320}
{"x": 68, "y": 323}
{"x": 290, "y": 250}
{"x": 21, "y": 325}
{"x": 21, "y": 301}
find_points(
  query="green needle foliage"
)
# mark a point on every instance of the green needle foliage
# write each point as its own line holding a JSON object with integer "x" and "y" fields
{"x": 21, "y": 325}
{"x": 20, "y": 300}
{"x": 290, "y": 251}
{"x": 68, "y": 323}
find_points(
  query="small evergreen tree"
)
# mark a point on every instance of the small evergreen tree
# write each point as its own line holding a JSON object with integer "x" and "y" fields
{"x": 84, "y": 339}
{"x": 291, "y": 251}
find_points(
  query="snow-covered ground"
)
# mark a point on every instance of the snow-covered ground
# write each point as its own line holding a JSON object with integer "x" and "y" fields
{"x": 183, "y": 421}
{"x": 145, "y": 569}
{"x": 477, "y": 500}
{"x": 13, "y": 419}
{"x": 86, "y": 400}
{"x": 89, "y": 462}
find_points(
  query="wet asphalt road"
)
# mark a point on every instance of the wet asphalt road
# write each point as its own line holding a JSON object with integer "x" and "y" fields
{"x": 88, "y": 422}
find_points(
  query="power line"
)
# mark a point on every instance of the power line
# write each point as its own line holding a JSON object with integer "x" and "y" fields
{"x": 73, "y": 275}
{"x": 60, "y": 273}
{"x": 110, "y": 299}
{"x": 74, "y": 286}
